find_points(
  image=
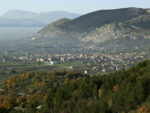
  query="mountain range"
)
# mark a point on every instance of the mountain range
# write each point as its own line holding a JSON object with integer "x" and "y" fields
{"x": 25, "y": 18}
{"x": 126, "y": 27}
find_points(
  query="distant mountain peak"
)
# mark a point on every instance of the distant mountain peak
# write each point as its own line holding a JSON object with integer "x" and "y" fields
{"x": 24, "y": 17}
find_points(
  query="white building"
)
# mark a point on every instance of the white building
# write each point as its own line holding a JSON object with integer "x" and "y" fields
{"x": 53, "y": 62}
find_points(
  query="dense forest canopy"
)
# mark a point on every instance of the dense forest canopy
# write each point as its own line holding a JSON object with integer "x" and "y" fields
{"x": 64, "y": 92}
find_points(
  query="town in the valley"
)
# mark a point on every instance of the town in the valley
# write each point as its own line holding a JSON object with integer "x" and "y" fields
{"x": 90, "y": 62}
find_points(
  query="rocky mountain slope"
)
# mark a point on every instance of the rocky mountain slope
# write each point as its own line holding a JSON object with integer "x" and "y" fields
{"x": 129, "y": 24}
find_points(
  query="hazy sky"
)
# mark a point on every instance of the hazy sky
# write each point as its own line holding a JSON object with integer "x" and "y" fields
{"x": 77, "y": 6}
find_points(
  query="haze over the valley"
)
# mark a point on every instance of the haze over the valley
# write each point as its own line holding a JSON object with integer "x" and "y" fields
{"x": 19, "y": 24}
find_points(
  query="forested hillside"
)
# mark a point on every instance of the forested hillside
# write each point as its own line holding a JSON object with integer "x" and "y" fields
{"x": 125, "y": 91}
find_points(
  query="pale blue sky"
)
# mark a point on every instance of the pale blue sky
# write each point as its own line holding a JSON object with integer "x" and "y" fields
{"x": 77, "y": 6}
